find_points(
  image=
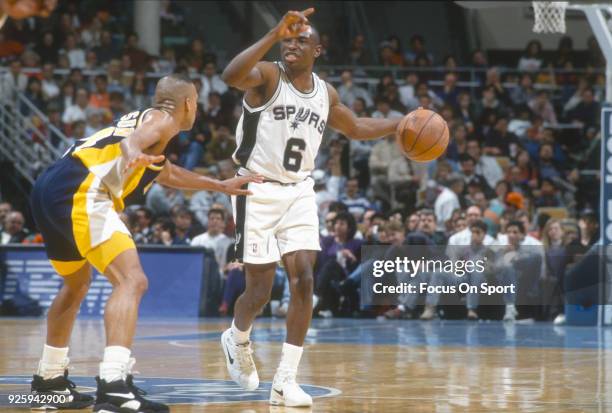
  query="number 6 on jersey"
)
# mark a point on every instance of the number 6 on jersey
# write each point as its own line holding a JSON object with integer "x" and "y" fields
{"x": 292, "y": 160}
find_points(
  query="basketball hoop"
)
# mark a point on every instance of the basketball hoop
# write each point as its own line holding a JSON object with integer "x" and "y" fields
{"x": 549, "y": 16}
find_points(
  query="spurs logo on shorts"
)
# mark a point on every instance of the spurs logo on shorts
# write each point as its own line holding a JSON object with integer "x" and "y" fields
{"x": 280, "y": 141}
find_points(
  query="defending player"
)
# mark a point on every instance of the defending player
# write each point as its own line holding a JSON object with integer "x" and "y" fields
{"x": 286, "y": 109}
{"x": 75, "y": 203}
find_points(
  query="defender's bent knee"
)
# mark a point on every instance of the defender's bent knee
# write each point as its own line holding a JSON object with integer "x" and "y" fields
{"x": 136, "y": 282}
{"x": 79, "y": 291}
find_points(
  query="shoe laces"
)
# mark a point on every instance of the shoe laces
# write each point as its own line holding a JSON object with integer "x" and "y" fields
{"x": 69, "y": 383}
{"x": 129, "y": 368}
{"x": 129, "y": 378}
{"x": 285, "y": 376}
{"x": 244, "y": 354}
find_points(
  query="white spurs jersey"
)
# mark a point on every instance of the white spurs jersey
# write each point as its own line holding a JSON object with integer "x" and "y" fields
{"x": 281, "y": 138}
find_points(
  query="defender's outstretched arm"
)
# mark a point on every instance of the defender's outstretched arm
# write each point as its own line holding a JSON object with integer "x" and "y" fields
{"x": 180, "y": 178}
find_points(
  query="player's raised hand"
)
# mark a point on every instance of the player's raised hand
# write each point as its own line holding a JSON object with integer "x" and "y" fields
{"x": 140, "y": 159}
{"x": 293, "y": 23}
{"x": 21, "y": 9}
{"x": 233, "y": 186}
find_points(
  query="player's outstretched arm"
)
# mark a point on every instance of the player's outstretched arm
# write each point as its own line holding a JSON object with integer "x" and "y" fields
{"x": 180, "y": 178}
{"x": 246, "y": 71}
{"x": 343, "y": 120}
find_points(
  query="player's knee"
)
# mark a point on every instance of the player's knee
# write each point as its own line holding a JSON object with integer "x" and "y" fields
{"x": 81, "y": 290}
{"x": 302, "y": 285}
{"x": 258, "y": 298}
{"x": 137, "y": 282}
{"x": 77, "y": 291}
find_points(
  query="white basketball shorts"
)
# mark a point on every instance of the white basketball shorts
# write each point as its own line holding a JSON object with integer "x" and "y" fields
{"x": 275, "y": 220}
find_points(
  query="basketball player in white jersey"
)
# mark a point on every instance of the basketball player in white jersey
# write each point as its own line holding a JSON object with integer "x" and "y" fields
{"x": 286, "y": 109}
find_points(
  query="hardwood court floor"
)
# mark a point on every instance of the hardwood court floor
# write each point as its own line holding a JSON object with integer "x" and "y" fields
{"x": 357, "y": 365}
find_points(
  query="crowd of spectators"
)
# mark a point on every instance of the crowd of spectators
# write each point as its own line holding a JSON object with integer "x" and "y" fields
{"x": 524, "y": 147}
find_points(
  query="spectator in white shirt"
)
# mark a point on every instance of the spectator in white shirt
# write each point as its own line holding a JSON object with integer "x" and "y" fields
{"x": 167, "y": 62}
{"x": 160, "y": 199}
{"x": 541, "y": 106}
{"x": 202, "y": 201}
{"x": 349, "y": 92}
{"x": 78, "y": 111}
{"x": 76, "y": 55}
{"x": 532, "y": 60}
{"x": 383, "y": 152}
{"x": 384, "y": 111}
{"x": 448, "y": 200}
{"x": 95, "y": 118}
{"x": 11, "y": 80}
{"x": 211, "y": 82}
{"x": 420, "y": 90}
{"x": 327, "y": 190}
{"x": 215, "y": 239}
{"x": 357, "y": 205}
{"x": 407, "y": 90}
{"x": 464, "y": 237}
{"x": 91, "y": 35}
{"x": 486, "y": 166}
{"x": 50, "y": 88}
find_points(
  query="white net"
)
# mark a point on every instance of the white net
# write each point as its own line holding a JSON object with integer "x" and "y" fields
{"x": 549, "y": 16}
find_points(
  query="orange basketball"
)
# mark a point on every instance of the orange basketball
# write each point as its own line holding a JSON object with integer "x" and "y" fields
{"x": 422, "y": 135}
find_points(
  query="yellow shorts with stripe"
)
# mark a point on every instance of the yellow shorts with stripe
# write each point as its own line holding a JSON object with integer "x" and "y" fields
{"x": 77, "y": 219}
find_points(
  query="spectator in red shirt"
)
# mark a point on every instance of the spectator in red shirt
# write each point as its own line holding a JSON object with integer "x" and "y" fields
{"x": 139, "y": 58}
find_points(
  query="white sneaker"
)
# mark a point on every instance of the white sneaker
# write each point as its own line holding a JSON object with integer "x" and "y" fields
{"x": 286, "y": 392}
{"x": 326, "y": 314}
{"x": 239, "y": 361}
{"x": 511, "y": 313}
{"x": 559, "y": 320}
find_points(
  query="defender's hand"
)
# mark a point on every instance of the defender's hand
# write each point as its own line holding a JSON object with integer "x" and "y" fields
{"x": 234, "y": 186}
{"x": 293, "y": 23}
{"x": 142, "y": 160}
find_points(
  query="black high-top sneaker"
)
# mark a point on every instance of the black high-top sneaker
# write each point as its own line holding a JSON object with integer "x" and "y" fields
{"x": 57, "y": 393}
{"x": 120, "y": 397}
{"x": 138, "y": 392}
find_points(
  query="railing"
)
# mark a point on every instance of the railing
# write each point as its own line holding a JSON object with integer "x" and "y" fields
{"x": 22, "y": 141}
{"x": 470, "y": 78}
{"x": 372, "y": 73}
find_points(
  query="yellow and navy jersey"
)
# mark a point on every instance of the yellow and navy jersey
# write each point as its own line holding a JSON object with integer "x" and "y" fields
{"x": 102, "y": 156}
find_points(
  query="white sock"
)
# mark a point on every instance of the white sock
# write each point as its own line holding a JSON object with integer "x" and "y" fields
{"x": 53, "y": 362}
{"x": 114, "y": 365}
{"x": 290, "y": 358}
{"x": 240, "y": 337}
